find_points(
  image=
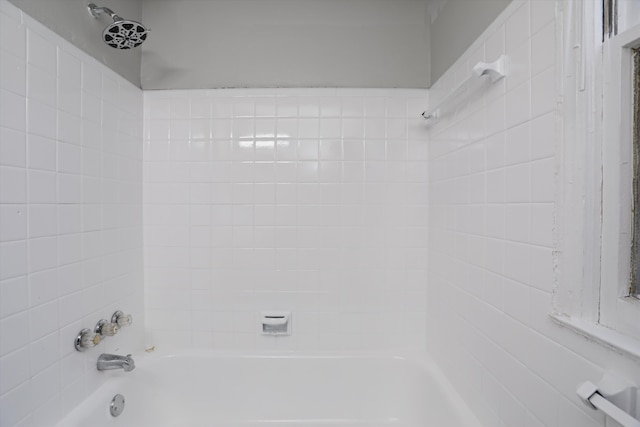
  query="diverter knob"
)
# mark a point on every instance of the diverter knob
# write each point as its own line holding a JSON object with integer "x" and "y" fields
{"x": 105, "y": 328}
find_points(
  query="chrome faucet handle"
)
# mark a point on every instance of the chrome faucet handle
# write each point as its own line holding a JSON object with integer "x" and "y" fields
{"x": 86, "y": 339}
{"x": 104, "y": 328}
{"x": 121, "y": 319}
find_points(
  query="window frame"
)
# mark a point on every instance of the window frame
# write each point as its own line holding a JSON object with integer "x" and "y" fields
{"x": 634, "y": 288}
{"x": 592, "y": 233}
{"x": 619, "y": 310}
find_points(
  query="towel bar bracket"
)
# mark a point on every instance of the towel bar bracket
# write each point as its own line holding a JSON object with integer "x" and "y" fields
{"x": 614, "y": 396}
{"x": 493, "y": 70}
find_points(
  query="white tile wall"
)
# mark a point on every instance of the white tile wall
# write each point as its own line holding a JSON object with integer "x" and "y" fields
{"x": 70, "y": 218}
{"x": 314, "y": 201}
{"x": 310, "y": 200}
{"x": 492, "y": 175}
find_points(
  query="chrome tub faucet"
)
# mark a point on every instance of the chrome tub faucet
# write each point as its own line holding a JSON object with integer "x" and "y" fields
{"x": 107, "y": 362}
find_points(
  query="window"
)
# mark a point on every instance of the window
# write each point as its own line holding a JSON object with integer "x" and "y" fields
{"x": 598, "y": 257}
{"x": 619, "y": 307}
{"x": 610, "y": 18}
{"x": 634, "y": 286}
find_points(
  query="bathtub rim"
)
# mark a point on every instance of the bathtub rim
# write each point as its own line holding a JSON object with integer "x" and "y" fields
{"x": 421, "y": 360}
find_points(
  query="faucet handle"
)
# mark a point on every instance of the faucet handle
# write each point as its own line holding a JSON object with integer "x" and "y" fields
{"x": 86, "y": 339}
{"x": 104, "y": 328}
{"x": 121, "y": 319}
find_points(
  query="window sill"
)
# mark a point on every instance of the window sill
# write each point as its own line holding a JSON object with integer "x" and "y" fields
{"x": 604, "y": 336}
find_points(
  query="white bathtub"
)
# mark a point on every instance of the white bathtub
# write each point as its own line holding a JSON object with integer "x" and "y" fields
{"x": 201, "y": 389}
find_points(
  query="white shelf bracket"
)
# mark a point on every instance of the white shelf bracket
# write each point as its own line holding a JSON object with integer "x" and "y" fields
{"x": 495, "y": 70}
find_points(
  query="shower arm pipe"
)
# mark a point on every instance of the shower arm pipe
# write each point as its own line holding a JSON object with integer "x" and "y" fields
{"x": 495, "y": 71}
{"x": 96, "y": 11}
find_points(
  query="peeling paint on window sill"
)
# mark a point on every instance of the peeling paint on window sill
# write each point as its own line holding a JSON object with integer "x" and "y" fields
{"x": 600, "y": 334}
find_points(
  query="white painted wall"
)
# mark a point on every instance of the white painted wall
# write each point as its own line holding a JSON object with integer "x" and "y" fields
{"x": 286, "y": 43}
{"x": 71, "y": 20}
{"x": 306, "y": 200}
{"x": 628, "y": 15}
{"x": 349, "y": 43}
{"x": 352, "y": 43}
{"x": 494, "y": 180}
{"x": 457, "y": 24}
{"x": 70, "y": 218}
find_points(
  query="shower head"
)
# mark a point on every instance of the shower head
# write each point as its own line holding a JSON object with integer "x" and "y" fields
{"x": 123, "y": 33}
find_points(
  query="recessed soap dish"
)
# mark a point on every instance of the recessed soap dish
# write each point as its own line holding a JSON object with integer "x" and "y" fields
{"x": 275, "y": 322}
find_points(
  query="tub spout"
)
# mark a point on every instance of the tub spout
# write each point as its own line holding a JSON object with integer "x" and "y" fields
{"x": 107, "y": 362}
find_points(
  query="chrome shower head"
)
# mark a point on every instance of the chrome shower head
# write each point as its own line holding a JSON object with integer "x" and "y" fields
{"x": 123, "y": 33}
